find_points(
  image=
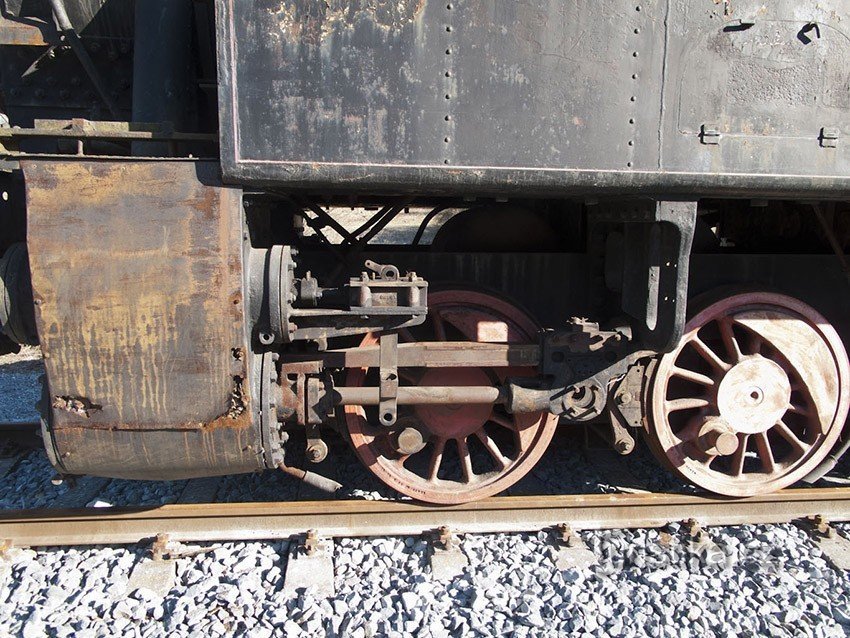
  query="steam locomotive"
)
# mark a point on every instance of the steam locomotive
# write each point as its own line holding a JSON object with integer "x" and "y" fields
{"x": 630, "y": 213}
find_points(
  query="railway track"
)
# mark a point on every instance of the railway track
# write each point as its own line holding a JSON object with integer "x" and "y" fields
{"x": 259, "y": 521}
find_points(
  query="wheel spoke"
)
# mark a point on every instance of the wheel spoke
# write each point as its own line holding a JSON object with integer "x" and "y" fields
{"x": 740, "y": 454}
{"x": 431, "y": 475}
{"x": 708, "y": 354}
{"x": 766, "y": 366}
{"x": 765, "y": 452}
{"x": 439, "y": 325}
{"x": 692, "y": 375}
{"x": 788, "y": 434}
{"x": 508, "y": 423}
{"x": 756, "y": 341}
{"x": 465, "y": 460}
{"x": 490, "y": 445}
{"x": 436, "y": 459}
{"x": 729, "y": 340}
{"x": 798, "y": 409}
{"x": 687, "y": 403}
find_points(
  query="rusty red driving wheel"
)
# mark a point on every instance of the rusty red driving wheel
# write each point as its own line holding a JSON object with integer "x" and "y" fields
{"x": 754, "y": 396}
{"x": 453, "y": 453}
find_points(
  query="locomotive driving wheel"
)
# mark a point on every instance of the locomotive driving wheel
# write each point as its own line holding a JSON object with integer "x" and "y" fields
{"x": 754, "y": 396}
{"x": 453, "y": 453}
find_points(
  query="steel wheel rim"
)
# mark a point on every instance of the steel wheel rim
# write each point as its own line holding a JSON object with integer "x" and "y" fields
{"x": 465, "y": 312}
{"x": 758, "y": 348}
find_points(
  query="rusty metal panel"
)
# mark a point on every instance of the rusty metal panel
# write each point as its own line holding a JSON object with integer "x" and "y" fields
{"x": 538, "y": 96}
{"x": 153, "y": 454}
{"x": 137, "y": 280}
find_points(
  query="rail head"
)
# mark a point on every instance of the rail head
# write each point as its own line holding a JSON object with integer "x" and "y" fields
{"x": 348, "y": 518}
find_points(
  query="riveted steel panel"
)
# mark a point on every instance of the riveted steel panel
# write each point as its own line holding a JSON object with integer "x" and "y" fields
{"x": 536, "y": 96}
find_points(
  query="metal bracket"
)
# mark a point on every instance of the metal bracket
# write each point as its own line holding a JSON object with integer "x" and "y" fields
{"x": 829, "y": 137}
{"x": 709, "y": 135}
{"x": 447, "y": 561}
{"x": 316, "y": 410}
{"x": 388, "y": 391}
{"x": 164, "y": 549}
{"x": 446, "y": 539}
{"x": 835, "y": 547}
{"x": 310, "y": 565}
{"x": 566, "y": 534}
{"x": 695, "y": 531}
{"x": 317, "y": 449}
{"x": 312, "y": 543}
{"x": 621, "y": 439}
{"x": 572, "y": 553}
{"x": 652, "y": 261}
{"x": 383, "y": 271}
{"x": 625, "y": 409}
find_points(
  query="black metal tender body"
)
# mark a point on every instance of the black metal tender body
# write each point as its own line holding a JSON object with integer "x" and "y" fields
{"x": 693, "y": 98}
{"x": 607, "y": 162}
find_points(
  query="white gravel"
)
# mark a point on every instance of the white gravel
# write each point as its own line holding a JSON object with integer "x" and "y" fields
{"x": 763, "y": 581}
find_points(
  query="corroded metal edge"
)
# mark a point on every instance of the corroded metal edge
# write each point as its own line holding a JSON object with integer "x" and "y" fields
{"x": 262, "y": 521}
{"x": 140, "y": 312}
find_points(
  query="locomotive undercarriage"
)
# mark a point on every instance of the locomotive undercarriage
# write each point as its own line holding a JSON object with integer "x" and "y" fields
{"x": 462, "y": 402}
{"x": 446, "y": 387}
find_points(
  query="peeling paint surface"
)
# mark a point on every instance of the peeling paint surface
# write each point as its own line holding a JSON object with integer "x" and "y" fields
{"x": 312, "y": 21}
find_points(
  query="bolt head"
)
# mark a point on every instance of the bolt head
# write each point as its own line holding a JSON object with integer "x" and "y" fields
{"x": 726, "y": 443}
{"x": 623, "y": 447}
{"x": 410, "y": 441}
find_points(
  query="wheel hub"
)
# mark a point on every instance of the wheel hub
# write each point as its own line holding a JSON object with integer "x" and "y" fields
{"x": 451, "y": 421}
{"x": 753, "y": 395}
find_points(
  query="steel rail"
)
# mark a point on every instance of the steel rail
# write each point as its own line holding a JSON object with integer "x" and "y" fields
{"x": 263, "y": 521}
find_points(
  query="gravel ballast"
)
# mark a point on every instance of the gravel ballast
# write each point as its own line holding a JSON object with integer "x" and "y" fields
{"x": 761, "y": 581}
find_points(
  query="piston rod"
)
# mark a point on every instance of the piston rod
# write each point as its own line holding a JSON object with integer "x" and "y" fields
{"x": 420, "y": 395}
